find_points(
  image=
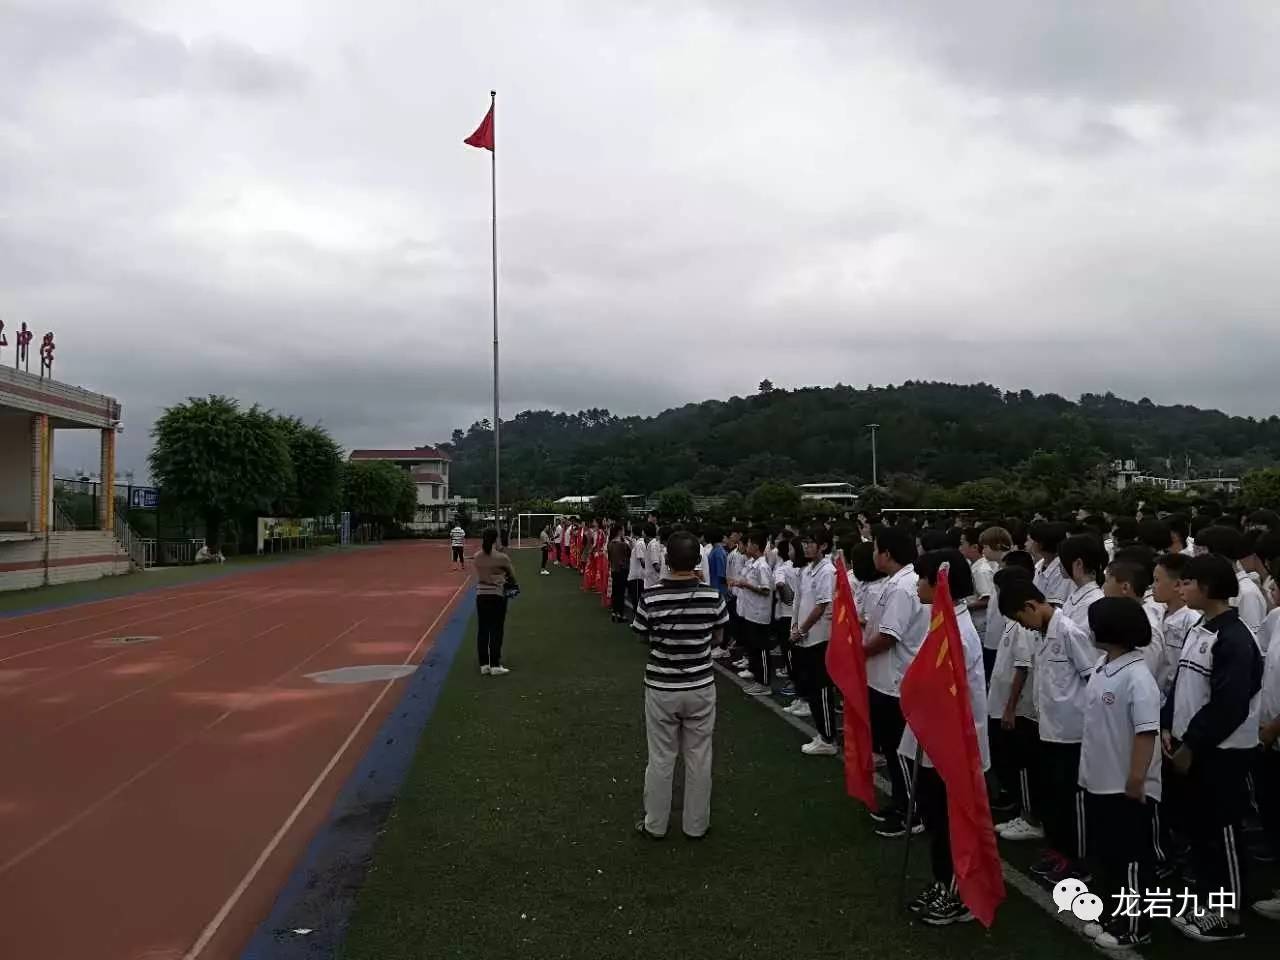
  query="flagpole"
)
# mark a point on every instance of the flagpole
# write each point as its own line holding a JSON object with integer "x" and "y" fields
{"x": 497, "y": 418}
{"x": 912, "y": 810}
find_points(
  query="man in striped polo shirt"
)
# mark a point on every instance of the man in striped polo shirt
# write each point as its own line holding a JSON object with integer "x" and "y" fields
{"x": 680, "y": 618}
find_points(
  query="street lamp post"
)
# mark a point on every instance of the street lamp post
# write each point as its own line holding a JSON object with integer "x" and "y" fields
{"x": 873, "y": 427}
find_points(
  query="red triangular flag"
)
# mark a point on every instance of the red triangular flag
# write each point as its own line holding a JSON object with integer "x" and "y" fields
{"x": 847, "y": 667}
{"x": 935, "y": 702}
{"x": 483, "y": 137}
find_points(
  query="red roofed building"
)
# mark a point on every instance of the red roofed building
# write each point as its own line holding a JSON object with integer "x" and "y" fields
{"x": 429, "y": 468}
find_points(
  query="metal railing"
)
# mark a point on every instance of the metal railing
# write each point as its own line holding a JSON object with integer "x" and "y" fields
{"x": 178, "y": 552}
{"x": 141, "y": 551}
{"x": 61, "y": 519}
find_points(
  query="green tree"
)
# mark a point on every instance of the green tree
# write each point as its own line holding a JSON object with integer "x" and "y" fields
{"x": 675, "y": 503}
{"x": 317, "y": 469}
{"x": 220, "y": 461}
{"x": 379, "y": 491}
{"x": 610, "y": 503}
{"x": 733, "y": 506}
{"x": 774, "y": 501}
{"x": 1261, "y": 488}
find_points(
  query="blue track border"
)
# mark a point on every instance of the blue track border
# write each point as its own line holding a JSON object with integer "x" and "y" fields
{"x": 320, "y": 893}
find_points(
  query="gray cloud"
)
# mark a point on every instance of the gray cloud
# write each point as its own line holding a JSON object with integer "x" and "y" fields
{"x": 1061, "y": 196}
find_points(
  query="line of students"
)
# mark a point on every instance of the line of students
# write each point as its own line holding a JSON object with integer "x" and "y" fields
{"x": 1127, "y": 691}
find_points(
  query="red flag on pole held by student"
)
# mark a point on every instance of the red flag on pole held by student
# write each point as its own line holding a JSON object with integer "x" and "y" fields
{"x": 483, "y": 137}
{"x": 847, "y": 667}
{"x": 935, "y": 703}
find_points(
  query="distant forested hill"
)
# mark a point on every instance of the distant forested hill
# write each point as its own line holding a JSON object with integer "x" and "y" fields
{"x": 935, "y": 434}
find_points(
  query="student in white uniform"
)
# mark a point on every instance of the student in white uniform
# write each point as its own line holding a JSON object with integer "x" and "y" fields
{"x": 735, "y": 560}
{"x": 1230, "y": 543}
{"x": 1043, "y": 540}
{"x": 636, "y": 568}
{"x": 938, "y": 905}
{"x": 1130, "y": 575}
{"x": 899, "y": 620}
{"x": 996, "y": 542}
{"x": 652, "y": 557}
{"x": 1083, "y": 560}
{"x": 786, "y": 584}
{"x": 755, "y": 607}
{"x": 982, "y": 572}
{"x": 810, "y": 634}
{"x": 1120, "y": 766}
{"x": 1268, "y": 766}
{"x": 1013, "y": 730}
{"x": 1178, "y": 620}
{"x": 1064, "y": 660}
{"x": 1209, "y": 731}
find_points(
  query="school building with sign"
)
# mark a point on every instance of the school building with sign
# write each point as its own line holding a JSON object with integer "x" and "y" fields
{"x": 36, "y": 549}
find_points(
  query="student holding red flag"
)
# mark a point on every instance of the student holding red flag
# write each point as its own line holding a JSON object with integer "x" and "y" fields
{"x": 939, "y": 691}
{"x": 847, "y": 667}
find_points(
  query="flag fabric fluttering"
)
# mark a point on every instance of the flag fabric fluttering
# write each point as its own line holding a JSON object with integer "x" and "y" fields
{"x": 847, "y": 667}
{"x": 935, "y": 703}
{"x": 483, "y": 137}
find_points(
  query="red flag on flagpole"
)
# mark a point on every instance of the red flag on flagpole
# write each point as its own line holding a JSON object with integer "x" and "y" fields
{"x": 935, "y": 702}
{"x": 483, "y": 137}
{"x": 847, "y": 667}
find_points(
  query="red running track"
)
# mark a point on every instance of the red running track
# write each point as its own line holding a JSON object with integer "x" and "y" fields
{"x": 155, "y": 796}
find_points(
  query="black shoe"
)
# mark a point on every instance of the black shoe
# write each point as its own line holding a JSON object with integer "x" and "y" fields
{"x": 879, "y": 816}
{"x": 945, "y": 911}
{"x": 1209, "y": 928}
{"x": 893, "y": 827}
{"x": 927, "y": 899}
{"x": 1005, "y": 803}
{"x": 642, "y": 829}
{"x": 1051, "y": 862}
{"x": 1116, "y": 939}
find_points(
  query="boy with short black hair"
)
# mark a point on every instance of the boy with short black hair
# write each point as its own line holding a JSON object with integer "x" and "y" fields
{"x": 1120, "y": 765}
{"x": 1178, "y": 620}
{"x": 810, "y": 634}
{"x": 898, "y": 618}
{"x": 1083, "y": 560}
{"x": 939, "y": 905}
{"x": 1064, "y": 659}
{"x": 1043, "y": 540}
{"x": 1230, "y": 543}
{"x": 1014, "y": 731}
{"x": 755, "y": 596}
{"x": 1209, "y": 730}
{"x": 995, "y": 543}
{"x": 982, "y": 572}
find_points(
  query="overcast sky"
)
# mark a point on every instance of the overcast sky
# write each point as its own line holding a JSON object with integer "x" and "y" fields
{"x": 272, "y": 200}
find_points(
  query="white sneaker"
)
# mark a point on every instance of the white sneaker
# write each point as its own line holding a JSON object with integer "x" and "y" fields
{"x": 745, "y": 674}
{"x": 790, "y": 707}
{"x": 1092, "y": 931}
{"x": 1008, "y": 825}
{"x": 802, "y": 709}
{"x": 485, "y": 671}
{"x": 1019, "y": 829}
{"x": 1269, "y": 908}
{"x": 817, "y": 747}
{"x": 544, "y": 573}
{"x": 758, "y": 690}
{"x": 499, "y": 671}
{"x": 740, "y": 664}
{"x": 719, "y": 653}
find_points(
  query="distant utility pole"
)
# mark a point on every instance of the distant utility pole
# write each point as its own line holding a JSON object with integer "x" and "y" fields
{"x": 873, "y": 427}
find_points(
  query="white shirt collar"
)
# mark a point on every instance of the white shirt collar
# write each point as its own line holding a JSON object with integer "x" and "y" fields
{"x": 1113, "y": 667}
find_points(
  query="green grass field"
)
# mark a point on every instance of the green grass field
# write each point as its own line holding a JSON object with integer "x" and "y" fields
{"x": 514, "y": 835}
